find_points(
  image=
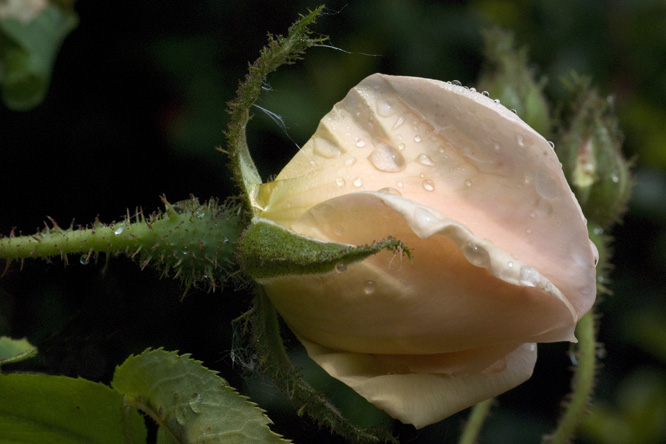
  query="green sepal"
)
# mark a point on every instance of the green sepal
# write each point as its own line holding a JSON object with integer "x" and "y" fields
{"x": 38, "y": 409}
{"x": 189, "y": 402}
{"x": 15, "y": 350}
{"x": 279, "y": 51}
{"x": 507, "y": 77}
{"x": 27, "y": 53}
{"x": 267, "y": 250}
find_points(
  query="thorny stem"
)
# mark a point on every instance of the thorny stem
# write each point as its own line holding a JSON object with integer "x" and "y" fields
{"x": 582, "y": 383}
{"x": 192, "y": 241}
{"x": 475, "y": 421}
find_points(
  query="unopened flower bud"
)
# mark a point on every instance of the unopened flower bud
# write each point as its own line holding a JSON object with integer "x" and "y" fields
{"x": 590, "y": 150}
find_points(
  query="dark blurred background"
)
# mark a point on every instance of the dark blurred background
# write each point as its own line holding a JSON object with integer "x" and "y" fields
{"x": 137, "y": 104}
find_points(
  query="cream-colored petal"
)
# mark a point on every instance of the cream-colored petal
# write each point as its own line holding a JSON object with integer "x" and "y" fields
{"x": 455, "y": 151}
{"x": 423, "y": 398}
{"x": 460, "y": 292}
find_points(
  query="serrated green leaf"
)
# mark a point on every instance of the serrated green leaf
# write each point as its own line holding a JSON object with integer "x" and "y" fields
{"x": 189, "y": 401}
{"x": 15, "y": 350}
{"x": 39, "y": 409}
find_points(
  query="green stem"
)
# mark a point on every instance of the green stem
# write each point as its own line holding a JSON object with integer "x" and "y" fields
{"x": 274, "y": 361}
{"x": 475, "y": 421}
{"x": 194, "y": 242}
{"x": 582, "y": 384}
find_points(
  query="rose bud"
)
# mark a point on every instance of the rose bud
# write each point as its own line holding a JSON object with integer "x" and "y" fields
{"x": 501, "y": 254}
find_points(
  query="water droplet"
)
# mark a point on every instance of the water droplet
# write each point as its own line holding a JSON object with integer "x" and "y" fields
{"x": 547, "y": 183}
{"x": 402, "y": 147}
{"x": 340, "y": 267}
{"x": 358, "y": 182}
{"x": 417, "y": 138}
{"x": 399, "y": 184}
{"x": 485, "y": 93}
{"x": 384, "y": 108}
{"x": 532, "y": 214}
{"x": 359, "y": 142}
{"x": 351, "y": 161}
{"x": 514, "y": 111}
{"x": 473, "y": 90}
{"x": 326, "y": 148}
{"x": 180, "y": 416}
{"x": 340, "y": 182}
{"x": 532, "y": 346}
{"x": 468, "y": 183}
{"x": 509, "y": 264}
{"x": 390, "y": 190}
{"x": 497, "y": 101}
{"x": 428, "y": 185}
{"x": 424, "y": 159}
{"x": 476, "y": 255}
{"x": 528, "y": 230}
{"x": 84, "y": 259}
{"x": 552, "y": 144}
{"x": 595, "y": 252}
{"x": 195, "y": 402}
{"x": 520, "y": 139}
{"x": 456, "y": 82}
{"x": 529, "y": 276}
{"x": 615, "y": 178}
{"x": 386, "y": 158}
{"x": 119, "y": 230}
{"x": 369, "y": 287}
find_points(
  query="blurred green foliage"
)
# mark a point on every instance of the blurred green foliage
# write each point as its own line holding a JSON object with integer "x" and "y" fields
{"x": 140, "y": 89}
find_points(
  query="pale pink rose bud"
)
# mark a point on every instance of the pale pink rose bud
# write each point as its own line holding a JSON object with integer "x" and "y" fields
{"x": 501, "y": 255}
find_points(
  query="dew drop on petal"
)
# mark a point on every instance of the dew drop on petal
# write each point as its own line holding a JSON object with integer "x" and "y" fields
{"x": 390, "y": 190}
{"x": 520, "y": 139}
{"x": 359, "y": 142}
{"x": 428, "y": 185}
{"x": 547, "y": 183}
{"x": 351, "y": 161}
{"x": 340, "y": 182}
{"x": 326, "y": 148}
{"x": 384, "y": 108}
{"x": 468, "y": 183}
{"x": 476, "y": 255}
{"x": 424, "y": 159}
{"x": 529, "y": 276}
{"x": 398, "y": 122}
{"x": 400, "y": 184}
{"x": 84, "y": 259}
{"x": 358, "y": 182}
{"x": 369, "y": 287}
{"x": 417, "y": 138}
{"x": 119, "y": 230}
{"x": 402, "y": 147}
{"x": 386, "y": 158}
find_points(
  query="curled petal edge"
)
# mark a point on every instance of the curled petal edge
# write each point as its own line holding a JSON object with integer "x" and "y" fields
{"x": 422, "y": 399}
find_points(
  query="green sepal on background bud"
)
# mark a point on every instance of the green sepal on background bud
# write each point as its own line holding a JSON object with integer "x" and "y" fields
{"x": 267, "y": 249}
{"x": 507, "y": 77}
{"x": 28, "y": 48}
{"x": 589, "y": 148}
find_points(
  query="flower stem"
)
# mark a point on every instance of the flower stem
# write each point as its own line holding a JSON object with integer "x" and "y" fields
{"x": 192, "y": 241}
{"x": 582, "y": 383}
{"x": 475, "y": 421}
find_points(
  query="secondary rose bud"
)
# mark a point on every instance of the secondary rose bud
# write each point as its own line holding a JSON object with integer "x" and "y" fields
{"x": 501, "y": 255}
